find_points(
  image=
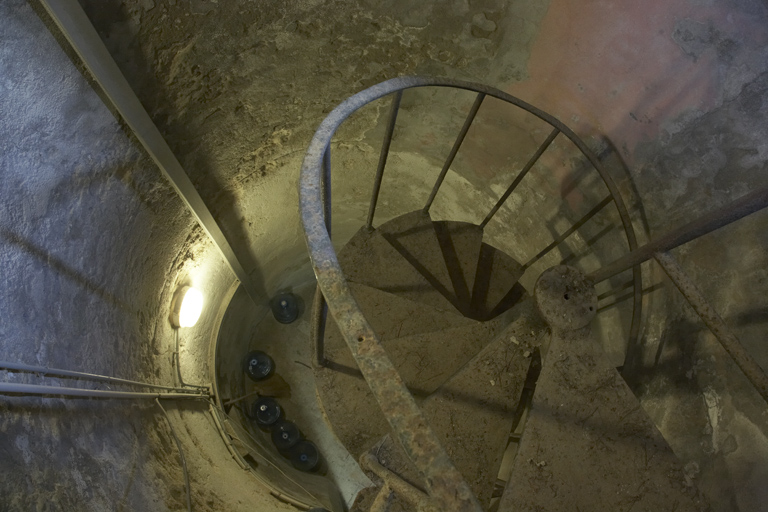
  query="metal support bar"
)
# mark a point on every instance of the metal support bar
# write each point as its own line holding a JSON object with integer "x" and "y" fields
{"x": 178, "y": 365}
{"x": 81, "y": 34}
{"x": 746, "y": 205}
{"x": 90, "y": 376}
{"x": 326, "y": 186}
{"x": 519, "y": 178}
{"x": 34, "y": 389}
{"x": 319, "y": 317}
{"x": 560, "y": 239}
{"x": 383, "y": 156}
{"x": 455, "y": 149}
{"x": 391, "y": 480}
{"x": 714, "y": 322}
{"x": 445, "y": 485}
{"x": 319, "y": 307}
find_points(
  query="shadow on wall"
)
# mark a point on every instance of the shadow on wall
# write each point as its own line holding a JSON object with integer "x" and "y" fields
{"x": 61, "y": 267}
{"x": 182, "y": 141}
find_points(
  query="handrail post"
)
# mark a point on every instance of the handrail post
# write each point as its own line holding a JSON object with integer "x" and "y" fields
{"x": 383, "y": 156}
{"x": 560, "y": 239}
{"x": 455, "y": 149}
{"x": 738, "y": 209}
{"x": 531, "y": 162}
{"x": 319, "y": 306}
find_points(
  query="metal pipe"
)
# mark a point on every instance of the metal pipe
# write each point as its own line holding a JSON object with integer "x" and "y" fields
{"x": 78, "y": 30}
{"x": 34, "y": 389}
{"x": 317, "y": 334}
{"x": 178, "y": 366}
{"x": 446, "y": 485}
{"x": 738, "y": 209}
{"x": 326, "y": 185}
{"x": 714, "y": 322}
{"x": 90, "y": 376}
{"x": 225, "y": 436}
{"x": 181, "y": 454}
{"x": 560, "y": 239}
{"x": 455, "y": 149}
{"x": 383, "y": 156}
{"x": 531, "y": 162}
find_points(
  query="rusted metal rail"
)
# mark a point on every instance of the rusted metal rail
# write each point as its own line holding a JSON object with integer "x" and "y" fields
{"x": 455, "y": 149}
{"x": 746, "y": 205}
{"x": 531, "y": 162}
{"x": 445, "y": 485}
{"x": 383, "y": 156}
{"x": 714, "y": 322}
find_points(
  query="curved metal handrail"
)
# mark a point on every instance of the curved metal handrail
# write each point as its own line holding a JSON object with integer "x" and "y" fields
{"x": 445, "y": 485}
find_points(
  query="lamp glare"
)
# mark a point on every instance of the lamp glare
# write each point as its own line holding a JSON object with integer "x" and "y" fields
{"x": 191, "y": 307}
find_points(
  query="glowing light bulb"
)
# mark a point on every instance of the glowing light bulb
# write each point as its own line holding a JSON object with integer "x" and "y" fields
{"x": 191, "y": 307}
{"x": 186, "y": 307}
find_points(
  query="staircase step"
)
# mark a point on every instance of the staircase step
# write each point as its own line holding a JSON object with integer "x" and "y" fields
{"x": 588, "y": 444}
{"x": 391, "y": 317}
{"x": 473, "y": 412}
{"x": 496, "y": 286}
{"x": 369, "y": 259}
{"x": 425, "y": 361}
{"x": 460, "y": 243}
{"x": 414, "y": 237}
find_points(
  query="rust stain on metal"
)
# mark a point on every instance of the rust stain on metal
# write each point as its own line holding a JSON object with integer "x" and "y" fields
{"x": 447, "y": 488}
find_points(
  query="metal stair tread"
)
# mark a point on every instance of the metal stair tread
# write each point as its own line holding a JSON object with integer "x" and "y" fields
{"x": 472, "y": 413}
{"x": 423, "y": 361}
{"x": 460, "y": 243}
{"x": 391, "y": 317}
{"x": 496, "y": 284}
{"x": 413, "y": 237}
{"x": 371, "y": 260}
{"x": 588, "y": 444}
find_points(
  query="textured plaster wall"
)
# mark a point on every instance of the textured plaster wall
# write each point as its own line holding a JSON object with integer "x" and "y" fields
{"x": 94, "y": 242}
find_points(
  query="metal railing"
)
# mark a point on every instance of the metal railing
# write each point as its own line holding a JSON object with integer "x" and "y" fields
{"x": 446, "y": 486}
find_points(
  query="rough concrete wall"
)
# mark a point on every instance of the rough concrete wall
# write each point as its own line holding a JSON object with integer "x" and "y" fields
{"x": 676, "y": 87}
{"x": 92, "y": 244}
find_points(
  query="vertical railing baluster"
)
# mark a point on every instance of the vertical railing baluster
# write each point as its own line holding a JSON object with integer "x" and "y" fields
{"x": 560, "y": 239}
{"x": 520, "y": 176}
{"x": 383, "y": 156}
{"x": 326, "y": 188}
{"x": 319, "y": 307}
{"x": 455, "y": 149}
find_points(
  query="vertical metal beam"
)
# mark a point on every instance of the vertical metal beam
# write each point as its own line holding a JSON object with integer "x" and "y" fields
{"x": 81, "y": 34}
{"x": 383, "y": 156}
{"x": 738, "y": 209}
{"x": 519, "y": 178}
{"x": 560, "y": 239}
{"x": 319, "y": 306}
{"x": 714, "y": 322}
{"x": 455, "y": 149}
{"x": 325, "y": 184}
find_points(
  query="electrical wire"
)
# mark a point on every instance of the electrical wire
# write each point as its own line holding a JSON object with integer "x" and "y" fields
{"x": 43, "y": 370}
{"x": 178, "y": 365}
{"x": 36, "y": 389}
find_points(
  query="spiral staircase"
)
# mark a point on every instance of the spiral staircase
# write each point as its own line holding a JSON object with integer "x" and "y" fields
{"x": 457, "y": 388}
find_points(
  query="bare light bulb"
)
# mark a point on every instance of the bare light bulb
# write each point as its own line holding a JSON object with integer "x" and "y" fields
{"x": 187, "y": 306}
